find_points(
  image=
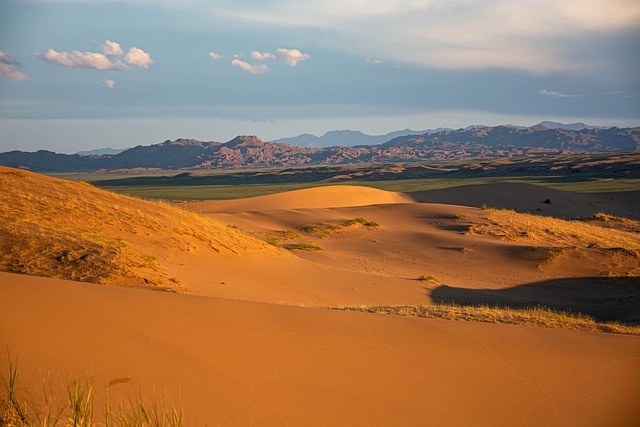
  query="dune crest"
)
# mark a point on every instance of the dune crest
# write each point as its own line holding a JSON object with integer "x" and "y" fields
{"x": 334, "y": 196}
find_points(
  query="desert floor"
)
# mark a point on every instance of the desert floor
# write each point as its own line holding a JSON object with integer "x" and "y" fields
{"x": 252, "y": 342}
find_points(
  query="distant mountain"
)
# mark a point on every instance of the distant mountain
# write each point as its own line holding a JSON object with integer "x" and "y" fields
{"x": 251, "y": 151}
{"x": 571, "y": 126}
{"x": 101, "y": 151}
{"x": 347, "y": 138}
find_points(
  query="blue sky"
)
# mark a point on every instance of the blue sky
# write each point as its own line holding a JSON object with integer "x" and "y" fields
{"x": 82, "y": 74}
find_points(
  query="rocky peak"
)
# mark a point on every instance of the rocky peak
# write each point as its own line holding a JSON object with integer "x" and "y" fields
{"x": 245, "y": 141}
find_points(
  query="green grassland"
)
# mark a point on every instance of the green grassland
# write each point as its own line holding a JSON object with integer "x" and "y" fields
{"x": 223, "y": 192}
{"x": 580, "y": 173}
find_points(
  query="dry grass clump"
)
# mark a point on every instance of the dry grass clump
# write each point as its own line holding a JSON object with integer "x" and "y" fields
{"x": 277, "y": 237}
{"x": 71, "y": 230}
{"x": 76, "y": 407}
{"x": 548, "y": 231}
{"x": 302, "y": 246}
{"x": 329, "y": 227}
{"x": 428, "y": 278}
{"x": 538, "y": 316}
{"x": 610, "y": 221}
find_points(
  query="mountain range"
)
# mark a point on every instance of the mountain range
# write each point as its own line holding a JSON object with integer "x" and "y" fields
{"x": 350, "y": 138}
{"x": 251, "y": 151}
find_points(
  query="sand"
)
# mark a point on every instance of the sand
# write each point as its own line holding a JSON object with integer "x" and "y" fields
{"x": 250, "y": 343}
{"x": 321, "y": 197}
{"x": 248, "y": 363}
{"x": 537, "y": 199}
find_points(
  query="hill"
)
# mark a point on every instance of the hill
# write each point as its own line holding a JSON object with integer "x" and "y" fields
{"x": 68, "y": 230}
{"x": 251, "y": 152}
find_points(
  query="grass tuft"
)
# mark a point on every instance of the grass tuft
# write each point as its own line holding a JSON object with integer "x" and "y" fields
{"x": 302, "y": 246}
{"x": 538, "y": 316}
{"x": 329, "y": 227}
{"x": 78, "y": 408}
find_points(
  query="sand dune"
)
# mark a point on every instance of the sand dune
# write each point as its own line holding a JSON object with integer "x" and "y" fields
{"x": 321, "y": 197}
{"x": 531, "y": 198}
{"x": 243, "y": 363}
{"x": 56, "y": 228}
{"x": 249, "y": 345}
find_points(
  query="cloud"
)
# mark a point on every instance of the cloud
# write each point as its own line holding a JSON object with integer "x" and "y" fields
{"x": 76, "y": 58}
{"x": 138, "y": 57}
{"x": 100, "y": 61}
{"x": 111, "y": 48}
{"x": 291, "y": 56}
{"x": 538, "y": 36}
{"x": 262, "y": 56}
{"x": 253, "y": 69}
{"x": 215, "y": 56}
{"x": 373, "y": 61}
{"x": 556, "y": 94}
{"x": 106, "y": 83}
{"x": 9, "y": 68}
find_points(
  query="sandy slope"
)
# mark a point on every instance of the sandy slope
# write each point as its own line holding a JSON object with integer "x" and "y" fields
{"x": 416, "y": 239}
{"x": 246, "y": 363}
{"x": 531, "y": 198}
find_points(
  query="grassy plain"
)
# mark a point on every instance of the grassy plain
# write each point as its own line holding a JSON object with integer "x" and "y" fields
{"x": 180, "y": 192}
{"x": 584, "y": 173}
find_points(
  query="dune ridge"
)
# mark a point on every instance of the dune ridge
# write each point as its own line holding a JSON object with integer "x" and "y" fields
{"x": 536, "y": 199}
{"x": 64, "y": 229}
{"x": 334, "y": 196}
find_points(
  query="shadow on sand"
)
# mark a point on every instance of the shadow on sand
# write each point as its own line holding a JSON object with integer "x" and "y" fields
{"x": 604, "y": 298}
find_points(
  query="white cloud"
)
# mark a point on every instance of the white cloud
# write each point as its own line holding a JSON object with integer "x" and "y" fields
{"x": 9, "y": 68}
{"x": 556, "y": 94}
{"x": 253, "y": 69}
{"x": 373, "y": 61}
{"x": 110, "y": 59}
{"x": 291, "y": 56}
{"x": 138, "y": 57}
{"x": 111, "y": 48}
{"x": 262, "y": 56}
{"x": 535, "y": 36}
{"x": 76, "y": 58}
{"x": 106, "y": 83}
{"x": 215, "y": 56}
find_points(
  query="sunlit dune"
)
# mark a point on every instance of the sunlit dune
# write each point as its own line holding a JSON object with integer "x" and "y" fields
{"x": 335, "y": 196}
{"x": 69, "y": 230}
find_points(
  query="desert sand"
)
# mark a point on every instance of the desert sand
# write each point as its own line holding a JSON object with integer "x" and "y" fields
{"x": 248, "y": 363}
{"x": 244, "y": 336}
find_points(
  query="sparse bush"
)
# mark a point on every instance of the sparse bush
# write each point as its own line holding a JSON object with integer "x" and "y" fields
{"x": 329, "y": 227}
{"x": 426, "y": 278}
{"x": 303, "y": 246}
{"x": 362, "y": 221}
